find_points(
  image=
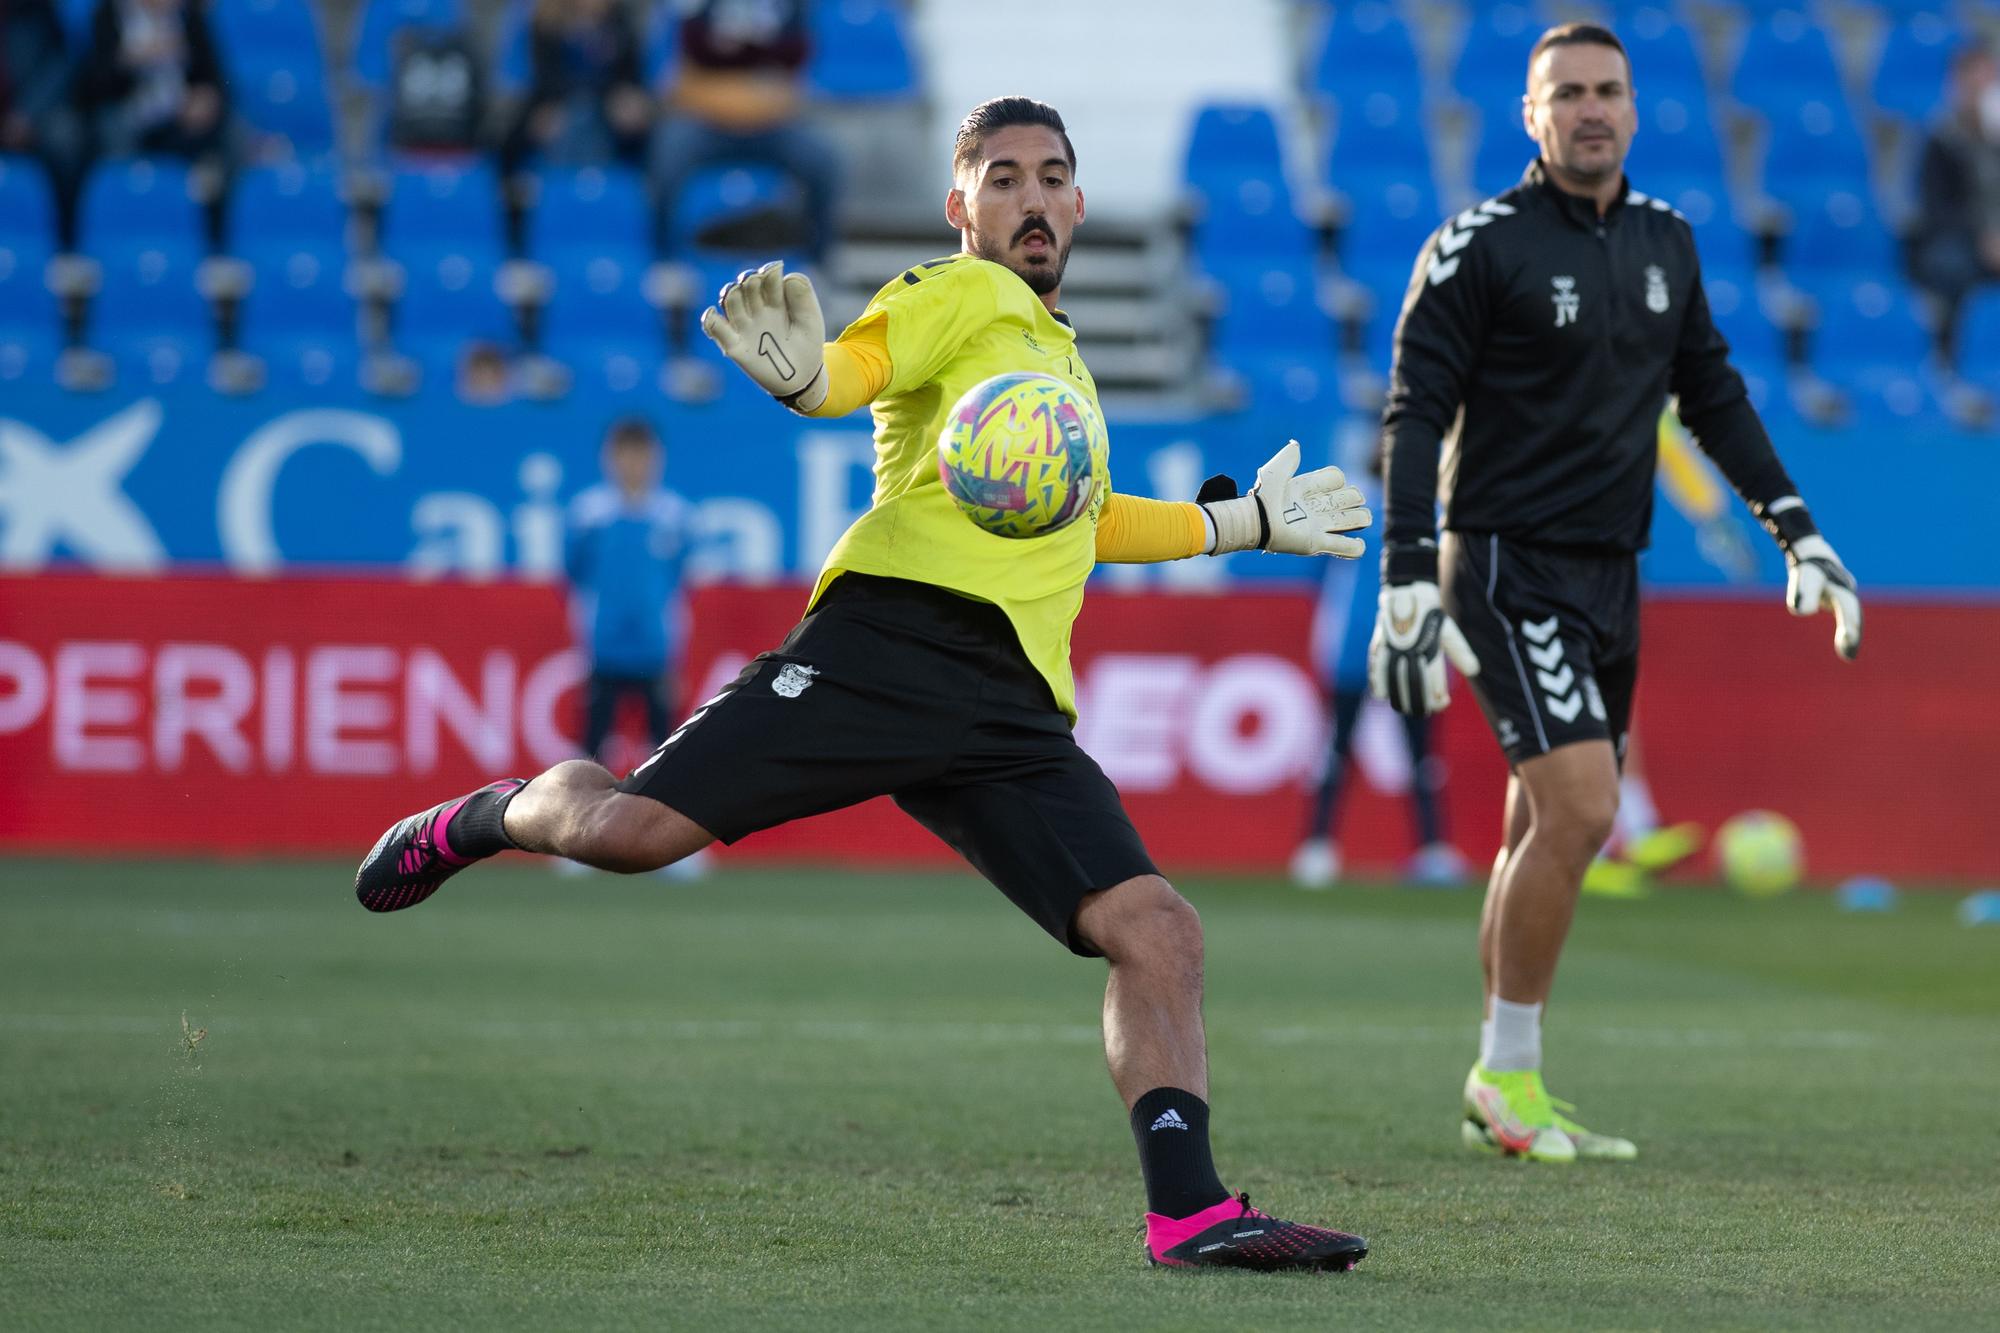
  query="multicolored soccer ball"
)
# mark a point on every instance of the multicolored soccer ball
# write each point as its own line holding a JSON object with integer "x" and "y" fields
{"x": 1759, "y": 853}
{"x": 1023, "y": 454}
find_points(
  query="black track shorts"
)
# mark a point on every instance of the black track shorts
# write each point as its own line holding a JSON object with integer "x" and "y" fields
{"x": 896, "y": 688}
{"x": 1557, "y": 636}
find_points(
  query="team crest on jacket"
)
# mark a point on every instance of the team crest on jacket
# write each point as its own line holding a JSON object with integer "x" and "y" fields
{"x": 1656, "y": 289}
{"x": 792, "y": 681}
{"x": 1566, "y": 300}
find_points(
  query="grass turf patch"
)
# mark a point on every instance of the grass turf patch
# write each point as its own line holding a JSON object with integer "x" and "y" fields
{"x": 820, "y": 1100}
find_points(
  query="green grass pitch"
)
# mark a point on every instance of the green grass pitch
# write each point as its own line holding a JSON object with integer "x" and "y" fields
{"x": 812, "y": 1100}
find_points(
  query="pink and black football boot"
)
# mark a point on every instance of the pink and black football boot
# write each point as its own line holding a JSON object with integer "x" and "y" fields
{"x": 1232, "y": 1234}
{"x": 415, "y": 857}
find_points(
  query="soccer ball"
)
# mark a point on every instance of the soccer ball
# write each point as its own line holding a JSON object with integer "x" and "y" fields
{"x": 1759, "y": 853}
{"x": 1023, "y": 454}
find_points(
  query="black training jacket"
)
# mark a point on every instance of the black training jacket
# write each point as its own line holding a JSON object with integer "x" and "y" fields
{"x": 1539, "y": 343}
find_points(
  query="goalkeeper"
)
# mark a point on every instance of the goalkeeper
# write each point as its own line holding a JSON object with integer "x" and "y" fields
{"x": 933, "y": 666}
{"x": 1541, "y": 334}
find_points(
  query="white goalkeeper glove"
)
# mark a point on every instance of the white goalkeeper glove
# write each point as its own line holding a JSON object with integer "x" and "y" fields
{"x": 1297, "y": 514}
{"x": 769, "y": 323}
{"x": 1818, "y": 579}
{"x": 1406, "y": 654}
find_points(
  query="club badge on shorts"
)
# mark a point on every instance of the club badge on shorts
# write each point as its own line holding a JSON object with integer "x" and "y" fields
{"x": 793, "y": 680}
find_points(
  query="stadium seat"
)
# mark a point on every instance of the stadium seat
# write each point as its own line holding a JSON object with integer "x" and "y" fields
{"x": 1979, "y": 338}
{"x": 448, "y": 300}
{"x": 149, "y": 318}
{"x": 860, "y": 51}
{"x": 587, "y": 211}
{"x": 1505, "y": 150}
{"x": 1786, "y": 60}
{"x": 1365, "y": 50}
{"x": 1664, "y": 60}
{"x": 718, "y": 196}
{"x": 1270, "y": 307}
{"x": 1492, "y": 69}
{"x": 299, "y": 318}
{"x": 1376, "y": 132}
{"x": 1236, "y": 175}
{"x": 27, "y": 205}
{"x": 1839, "y": 232}
{"x": 599, "y": 313}
{"x": 277, "y": 71}
{"x": 379, "y": 22}
{"x": 433, "y": 212}
{"x": 27, "y": 353}
{"x": 141, "y": 204}
{"x": 513, "y": 47}
{"x": 1813, "y": 149}
{"x": 1871, "y": 343}
{"x": 1387, "y": 224}
{"x": 286, "y": 208}
{"x": 1909, "y": 79}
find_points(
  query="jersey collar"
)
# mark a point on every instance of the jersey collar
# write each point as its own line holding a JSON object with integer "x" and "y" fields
{"x": 1575, "y": 207}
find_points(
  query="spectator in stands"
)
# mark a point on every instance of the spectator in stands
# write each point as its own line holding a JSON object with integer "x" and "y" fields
{"x": 737, "y": 98}
{"x": 587, "y": 103}
{"x": 622, "y": 555}
{"x": 1955, "y": 238}
{"x": 484, "y": 378}
{"x": 436, "y": 101}
{"x": 152, "y": 82}
{"x": 35, "y": 117}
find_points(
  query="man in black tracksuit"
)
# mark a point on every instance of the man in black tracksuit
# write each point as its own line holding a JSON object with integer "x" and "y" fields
{"x": 1540, "y": 337}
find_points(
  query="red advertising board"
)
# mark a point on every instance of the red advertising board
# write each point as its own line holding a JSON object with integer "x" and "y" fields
{"x": 298, "y": 717}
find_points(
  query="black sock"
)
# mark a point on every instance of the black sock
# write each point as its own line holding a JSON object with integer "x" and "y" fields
{"x": 476, "y": 830}
{"x": 1172, "y": 1129}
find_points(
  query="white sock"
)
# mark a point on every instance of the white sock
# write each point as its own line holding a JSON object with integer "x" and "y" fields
{"x": 1512, "y": 1039}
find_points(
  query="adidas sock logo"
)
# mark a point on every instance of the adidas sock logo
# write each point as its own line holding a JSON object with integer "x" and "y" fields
{"x": 1169, "y": 1119}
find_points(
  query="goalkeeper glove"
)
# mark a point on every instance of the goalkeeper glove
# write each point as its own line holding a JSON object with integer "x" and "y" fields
{"x": 1413, "y": 635}
{"x": 1286, "y": 511}
{"x": 769, "y": 323}
{"x": 1816, "y": 577}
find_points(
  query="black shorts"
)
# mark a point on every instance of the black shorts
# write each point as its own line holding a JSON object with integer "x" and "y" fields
{"x": 893, "y": 688}
{"x": 1557, "y": 636}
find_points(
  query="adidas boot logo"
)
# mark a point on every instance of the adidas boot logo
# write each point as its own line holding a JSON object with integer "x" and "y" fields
{"x": 1169, "y": 1119}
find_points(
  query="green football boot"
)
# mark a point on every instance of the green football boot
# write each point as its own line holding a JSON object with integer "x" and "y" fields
{"x": 1512, "y": 1114}
{"x": 1591, "y": 1146}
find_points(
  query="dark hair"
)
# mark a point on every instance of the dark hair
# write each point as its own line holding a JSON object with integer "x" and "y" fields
{"x": 1970, "y": 54}
{"x": 632, "y": 430}
{"x": 1001, "y": 113}
{"x": 1579, "y": 34}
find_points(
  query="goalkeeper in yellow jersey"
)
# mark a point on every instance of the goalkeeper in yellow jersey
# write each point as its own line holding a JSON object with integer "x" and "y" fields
{"x": 933, "y": 666}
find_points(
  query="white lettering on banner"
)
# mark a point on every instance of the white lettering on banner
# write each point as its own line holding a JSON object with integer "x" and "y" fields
{"x": 538, "y": 521}
{"x": 118, "y": 707}
{"x": 335, "y": 708}
{"x": 1132, "y": 714}
{"x": 281, "y": 674}
{"x": 243, "y": 503}
{"x": 27, "y": 686}
{"x": 828, "y": 463}
{"x": 736, "y": 538}
{"x": 1281, "y": 741}
{"x": 1244, "y": 725}
{"x": 72, "y": 495}
{"x": 216, "y": 717}
{"x": 541, "y": 733}
{"x": 457, "y": 533}
{"x": 435, "y": 699}
{"x": 79, "y": 706}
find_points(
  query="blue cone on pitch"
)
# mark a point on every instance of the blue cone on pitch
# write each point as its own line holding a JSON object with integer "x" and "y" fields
{"x": 1981, "y": 909}
{"x": 1866, "y": 893}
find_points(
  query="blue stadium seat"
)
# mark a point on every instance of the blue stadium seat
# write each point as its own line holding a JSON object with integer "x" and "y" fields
{"x": 1236, "y": 173}
{"x": 29, "y": 312}
{"x": 587, "y": 211}
{"x": 513, "y": 47}
{"x": 1389, "y": 221}
{"x": 141, "y": 204}
{"x": 1979, "y": 338}
{"x": 1813, "y": 149}
{"x": 27, "y": 205}
{"x": 434, "y": 212}
{"x": 1365, "y": 51}
{"x": 28, "y": 353}
{"x": 1664, "y": 60}
{"x": 149, "y": 318}
{"x": 1492, "y": 70}
{"x": 1909, "y": 80}
{"x": 300, "y": 319}
{"x": 1270, "y": 307}
{"x": 1839, "y": 232}
{"x": 447, "y": 301}
{"x": 286, "y": 208}
{"x": 717, "y": 194}
{"x": 1754, "y": 343}
{"x": 860, "y": 51}
{"x": 1785, "y": 60}
{"x": 1377, "y": 132}
{"x": 1677, "y": 139}
{"x": 379, "y": 22}
{"x": 277, "y": 73}
{"x": 1505, "y": 150}
{"x": 599, "y": 313}
{"x": 1871, "y": 343}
